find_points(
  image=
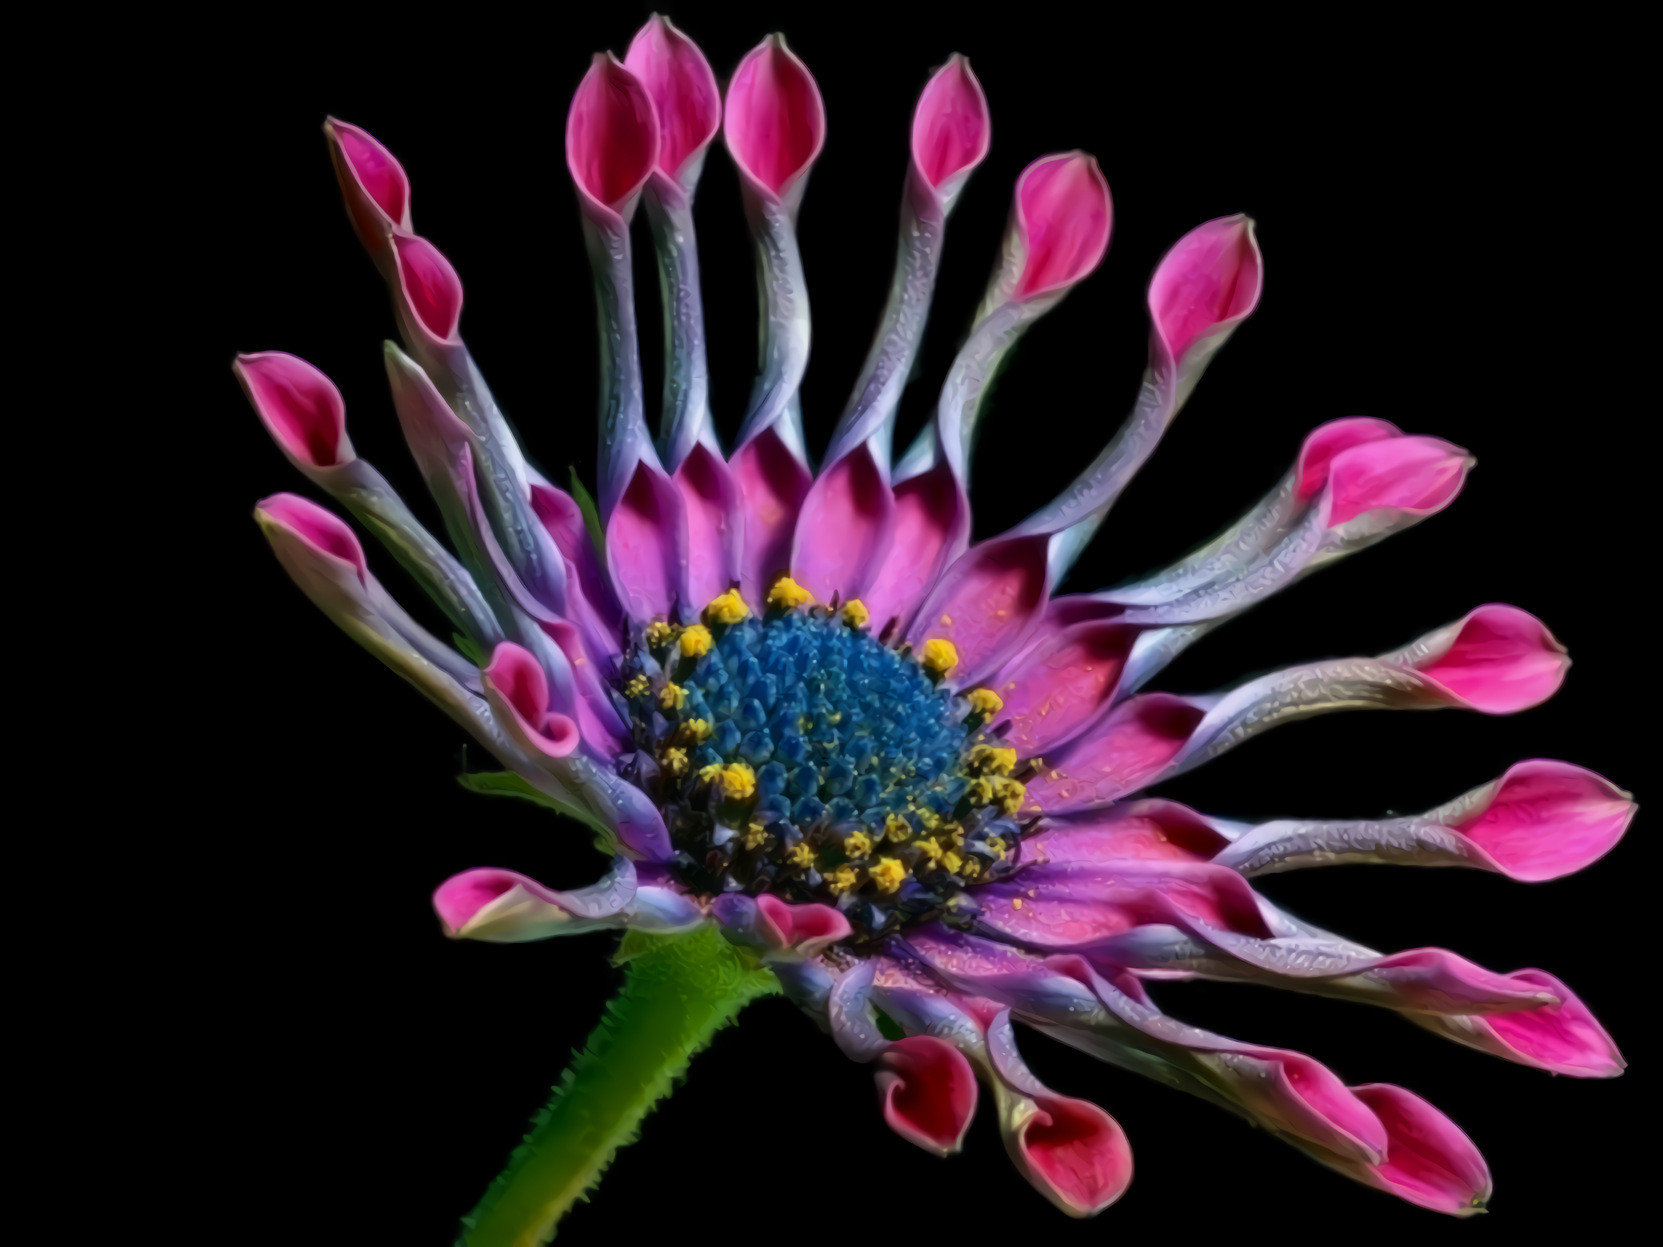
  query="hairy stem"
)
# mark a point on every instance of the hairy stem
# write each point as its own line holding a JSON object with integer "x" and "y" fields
{"x": 678, "y": 992}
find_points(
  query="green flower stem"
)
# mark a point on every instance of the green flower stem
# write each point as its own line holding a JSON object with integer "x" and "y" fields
{"x": 678, "y": 992}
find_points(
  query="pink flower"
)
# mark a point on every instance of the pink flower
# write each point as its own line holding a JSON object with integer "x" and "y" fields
{"x": 893, "y": 770}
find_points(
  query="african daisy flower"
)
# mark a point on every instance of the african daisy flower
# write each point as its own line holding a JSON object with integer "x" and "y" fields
{"x": 835, "y": 750}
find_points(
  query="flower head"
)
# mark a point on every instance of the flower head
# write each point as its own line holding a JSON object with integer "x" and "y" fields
{"x": 894, "y": 772}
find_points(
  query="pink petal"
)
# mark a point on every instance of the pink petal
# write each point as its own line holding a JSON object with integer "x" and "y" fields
{"x": 1429, "y": 1160}
{"x": 506, "y": 907}
{"x": 612, "y": 135}
{"x": 772, "y": 486}
{"x": 1501, "y": 660}
{"x": 928, "y": 1092}
{"x": 324, "y": 531}
{"x": 1059, "y": 685}
{"x": 1064, "y": 214}
{"x": 951, "y": 129}
{"x": 1418, "y": 475}
{"x": 986, "y": 603}
{"x": 1209, "y": 281}
{"x": 1327, "y": 440}
{"x": 776, "y": 121}
{"x": 683, "y": 90}
{"x": 646, "y": 544}
{"x": 430, "y": 286}
{"x": 299, "y": 405}
{"x": 1126, "y": 751}
{"x": 1146, "y": 831}
{"x": 1075, "y": 1153}
{"x": 715, "y": 523}
{"x": 932, "y": 521}
{"x": 844, "y": 528}
{"x": 522, "y": 685}
{"x": 1548, "y": 819}
{"x": 1564, "y": 1038}
{"x": 807, "y": 929}
{"x": 562, "y": 518}
{"x": 373, "y": 184}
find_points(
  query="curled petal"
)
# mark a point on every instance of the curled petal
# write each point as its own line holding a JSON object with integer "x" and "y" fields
{"x": 1419, "y": 476}
{"x": 805, "y": 929}
{"x": 1205, "y": 286}
{"x": 1497, "y": 659}
{"x": 430, "y": 288}
{"x": 373, "y": 184}
{"x": 517, "y": 683}
{"x": 683, "y": 90}
{"x": 1064, "y": 216}
{"x": 1327, "y": 441}
{"x": 951, "y": 129}
{"x": 1429, "y": 1160}
{"x": 1073, "y": 1152}
{"x": 612, "y": 137}
{"x": 322, "y": 532}
{"x": 299, "y": 405}
{"x": 1544, "y": 819}
{"x": 506, "y": 907}
{"x": 1562, "y": 1038}
{"x": 928, "y": 1092}
{"x": 776, "y": 120}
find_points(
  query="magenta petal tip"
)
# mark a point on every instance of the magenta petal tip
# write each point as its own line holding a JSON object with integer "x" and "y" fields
{"x": 776, "y": 121}
{"x": 612, "y": 136}
{"x": 683, "y": 90}
{"x": 1208, "y": 283}
{"x": 951, "y": 128}
{"x": 1065, "y": 215}
{"x": 298, "y": 404}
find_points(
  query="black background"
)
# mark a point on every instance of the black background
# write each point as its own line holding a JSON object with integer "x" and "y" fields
{"x": 1441, "y": 214}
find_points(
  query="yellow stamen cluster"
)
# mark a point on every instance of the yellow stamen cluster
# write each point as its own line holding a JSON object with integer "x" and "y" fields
{"x": 660, "y": 634}
{"x": 888, "y": 874}
{"x": 842, "y": 880}
{"x": 985, "y": 702}
{"x": 697, "y": 730}
{"x": 710, "y": 774}
{"x": 855, "y": 613}
{"x": 857, "y": 844}
{"x": 756, "y": 835}
{"x": 671, "y": 697}
{"x": 675, "y": 761}
{"x": 939, "y": 656}
{"x": 800, "y": 854}
{"x": 786, "y": 594}
{"x": 1011, "y": 794}
{"x": 738, "y": 781}
{"x": 637, "y": 686}
{"x": 992, "y": 759}
{"x": 896, "y": 828}
{"x": 696, "y": 641}
{"x": 726, "y": 608}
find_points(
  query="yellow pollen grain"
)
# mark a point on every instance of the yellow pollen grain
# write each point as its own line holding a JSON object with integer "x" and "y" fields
{"x": 787, "y": 594}
{"x": 726, "y": 608}
{"x": 896, "y": 828}
{"x": 972, "y": 867}
{"x": 842, "y": 879}
{"x": 1016, "y": 902}
{"x": 888, "y": 874}
{"x": 675, "y": 761}
{"x": 939, "y": 656}
{"x": 698, "y": 730}
{"x": 738, "y": 781}
{"x": 928, "y": 848}
{"x": 996, "y": 846}
{"x": 756, "y": 836}
{"x": 672, "y": 697}
{"x": 985, "y": 702}
{"x": 952, "y": 860}
{"x": 857, "y": 844}
{"x": 696, "y": 641}
{"x": 855, "y": 613}
{"x": 637, "y": 686}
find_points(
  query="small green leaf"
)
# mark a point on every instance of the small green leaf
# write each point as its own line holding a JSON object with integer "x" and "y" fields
{"x": 469, "y": 649}
{"x": 888, "y": 1027}
{"x": 591, "y": 516}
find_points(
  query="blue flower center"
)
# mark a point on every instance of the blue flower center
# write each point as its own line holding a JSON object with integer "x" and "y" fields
{"x": 797, "y": 754}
